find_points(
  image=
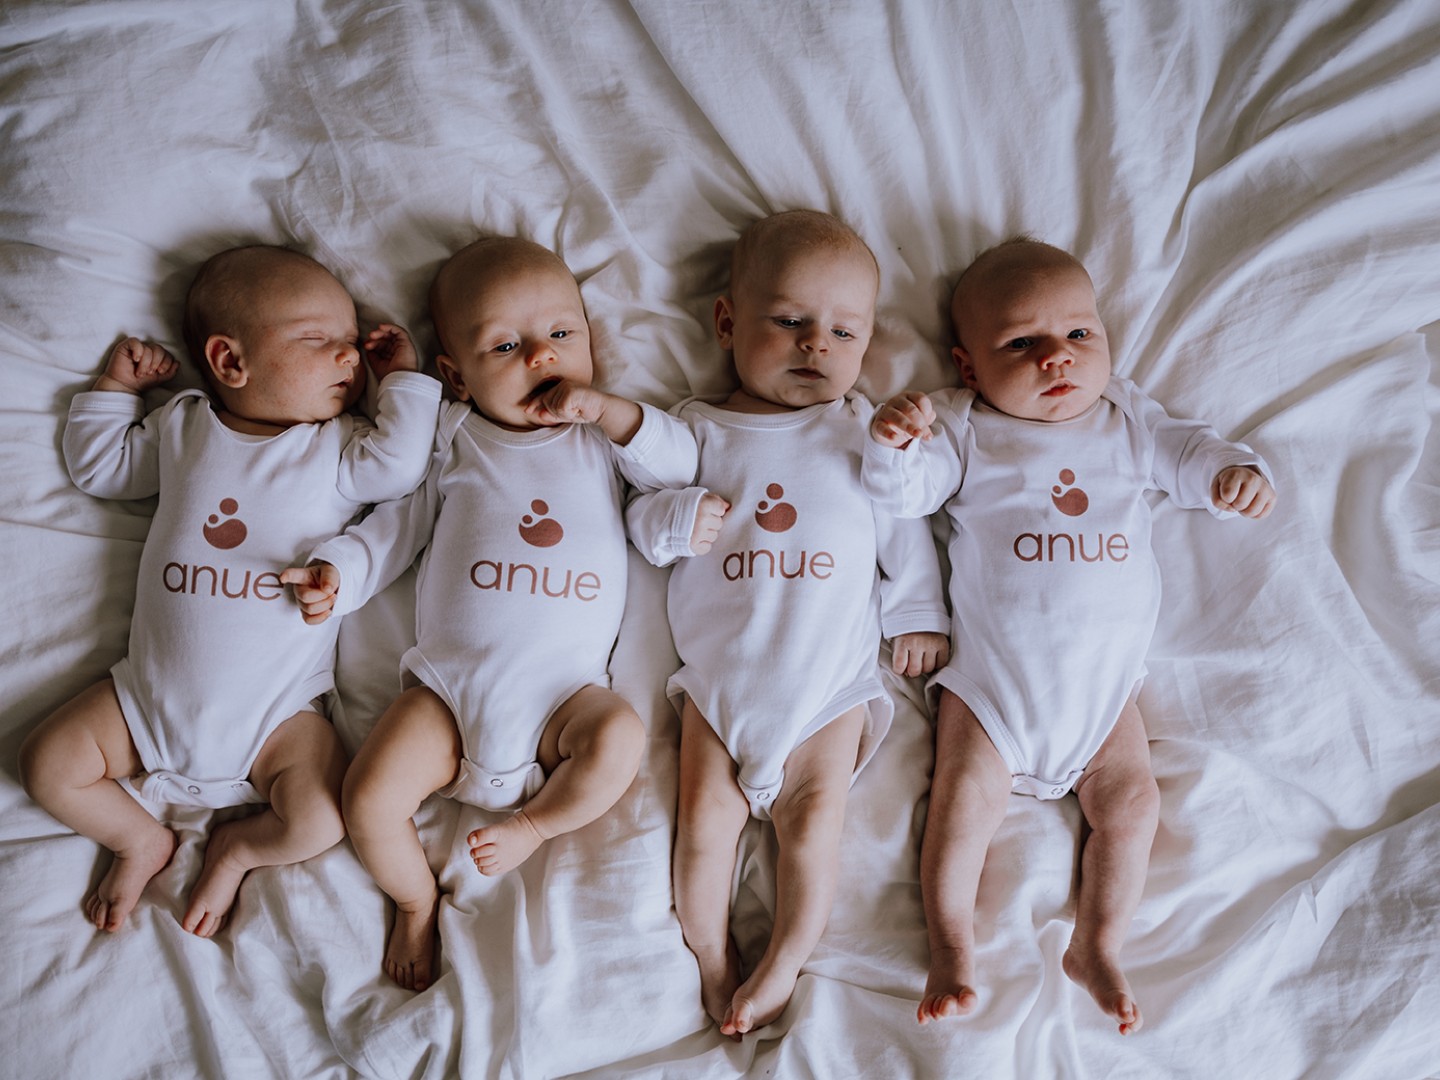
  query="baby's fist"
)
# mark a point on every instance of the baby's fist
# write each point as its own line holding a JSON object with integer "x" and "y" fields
{"x": 918, "y": 654}
{"x": 316, "y": 587}
{"x": 1242, "y": 489}
{"x": 136, "y": 366}
{"x": 389, "y": 348}
{"x": 904, "y": 417}
{"x": 708, "y": 518}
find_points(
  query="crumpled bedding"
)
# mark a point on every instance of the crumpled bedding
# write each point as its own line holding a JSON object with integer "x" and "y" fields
{"x": 1254, "y": 188}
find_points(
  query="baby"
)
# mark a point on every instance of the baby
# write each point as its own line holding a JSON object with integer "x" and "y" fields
{"x": 215, "y": 703}
{"x": 779, "y": 626}
{"x": 521, "y": 589}
{"x": 1042, "y": 464}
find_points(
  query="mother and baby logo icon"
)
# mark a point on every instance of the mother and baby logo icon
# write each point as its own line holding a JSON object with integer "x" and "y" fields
{"x": 1072, "y": 502}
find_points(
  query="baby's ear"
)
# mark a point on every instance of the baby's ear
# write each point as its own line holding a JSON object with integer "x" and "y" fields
{"x": 963, "y": 364}
{"x": 724, "y": 321}
{"x": 222, "y": 356}
{"x": 450, "y": 372}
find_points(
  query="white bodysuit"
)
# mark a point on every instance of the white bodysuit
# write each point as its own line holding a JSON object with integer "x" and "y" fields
{"x": 219, "y": 656}
{"x": 778, "y": 626}
{"x": 522, "y": 586}
{"x": 1054, "y": 587}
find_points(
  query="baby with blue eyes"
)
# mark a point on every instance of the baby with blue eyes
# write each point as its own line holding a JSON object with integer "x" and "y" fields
{"x": 505, "y": 702}
{"x": 1042, "y": 462}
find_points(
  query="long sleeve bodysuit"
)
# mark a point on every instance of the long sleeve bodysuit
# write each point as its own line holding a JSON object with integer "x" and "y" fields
{"x": 522, "y": 585}
{"x": 219, "y": 656}
{"x": 778, "y": 626}
{"x": 1054, "y": 588}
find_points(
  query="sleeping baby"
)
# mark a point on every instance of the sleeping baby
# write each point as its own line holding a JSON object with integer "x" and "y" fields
{"x": 1042, "y": 463}
{"x": 215, "y": 703}
{"x": 507, "y": 702}
{"x": 775, "y": 601}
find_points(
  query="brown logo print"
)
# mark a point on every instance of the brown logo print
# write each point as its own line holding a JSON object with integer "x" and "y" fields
{"x": 1072, "y": 502}
{"x": 775, "y": 517}
{"x": 537, "y": 530}
{"x": 228, "y": 534}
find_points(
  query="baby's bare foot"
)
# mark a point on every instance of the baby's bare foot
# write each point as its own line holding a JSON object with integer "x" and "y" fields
{"x": 215, "y": 889}
{"x": 718, "y": 983}
{"x": 948, "y": 989}
{"x": 119, "y": 890}
{"x": 1100, "y": 975}
{"x": 759, "y": 1000}
{"x": 410, "y": 952}
{"x": 498, "y": 848}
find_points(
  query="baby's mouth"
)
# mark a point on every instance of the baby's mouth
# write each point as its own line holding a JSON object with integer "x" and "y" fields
{"x": 808, "y": 373}
{"x": 542, "y": 387}
{"x": 1060, "y": 389}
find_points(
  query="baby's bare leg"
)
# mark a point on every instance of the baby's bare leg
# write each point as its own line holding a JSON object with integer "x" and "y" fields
{"x": 1121, "y": 804}
{"x": 413, "y": 751}
{"x": 70, "y": 765}
{"x": 711, "y": 812}
{"x": 590, "y": 751}
{"x": 809, "y": 816}
{"x": 298, "y": 772}
{"x": 968, "y": 796}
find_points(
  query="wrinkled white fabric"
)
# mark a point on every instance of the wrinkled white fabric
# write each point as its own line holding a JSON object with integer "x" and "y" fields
{"x": 1255, "y": 189}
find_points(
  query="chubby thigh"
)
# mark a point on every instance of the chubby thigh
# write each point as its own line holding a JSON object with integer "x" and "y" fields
{"x": 412, "y": 752}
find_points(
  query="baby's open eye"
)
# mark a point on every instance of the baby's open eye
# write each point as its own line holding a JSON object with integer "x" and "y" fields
{"x": 787, "y": 322}
{"x": 1079, "y": 334}
{"x": 1019, "y": 343}
{"x": 842, "y": 333}
{"x": 505, "y": 347}
{"x": 560, "y": 335}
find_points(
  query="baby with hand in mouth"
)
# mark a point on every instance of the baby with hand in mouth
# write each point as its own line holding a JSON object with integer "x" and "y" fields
{"x": 507, "y": 702}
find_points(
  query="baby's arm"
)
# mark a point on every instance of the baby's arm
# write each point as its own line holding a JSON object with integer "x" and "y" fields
{"x": 111, "y": 448}
{"x": 343, "y": 573}
{"x": 388, "y": 459}
{"x": 568, "y": 403}
{"x": 905, "y": 468}
{"x": 912, "y": 595}
{"x": 1194, "y": 465}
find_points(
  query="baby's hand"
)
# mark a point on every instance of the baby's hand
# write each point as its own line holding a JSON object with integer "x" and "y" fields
{"x": 919, "y": 654}
{"x": 136, "y": 366}
{"x": 388, "y": 348}
{"x": 904, "y": 417}
{"x": 708, "y": 519}
{"x": 316, "y": 587}
{"x": 1242, "y": 489}
{"x": 564, "y": 402}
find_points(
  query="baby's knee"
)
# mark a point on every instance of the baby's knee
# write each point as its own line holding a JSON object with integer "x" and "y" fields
{"x": 614, "y": 735}
{"x": 46, "y": 762}
{"x": 1133, "y": 805}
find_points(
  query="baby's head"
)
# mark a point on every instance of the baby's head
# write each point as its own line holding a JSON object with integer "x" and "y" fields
{"x": 800, "y": 310}
{"x": 511, "y": 324}
{"x": 1029, "y": 338}
{"x": 275, "y": 335}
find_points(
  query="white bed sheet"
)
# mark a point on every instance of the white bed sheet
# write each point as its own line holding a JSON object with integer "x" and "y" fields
{"x": 1254, "y": 187}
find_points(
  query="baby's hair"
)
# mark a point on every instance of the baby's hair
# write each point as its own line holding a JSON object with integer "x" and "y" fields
{"x": 1017, "y": 255}
{"x": 218, "y": 300}
{"x": 792, "y": 231}
{"x": 477, "y": 263}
